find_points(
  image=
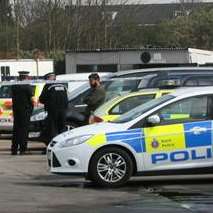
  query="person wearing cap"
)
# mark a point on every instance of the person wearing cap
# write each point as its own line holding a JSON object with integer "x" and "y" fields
{"x": 96, "y": 96}
{"x": 55, "y": 100}
{"x": 22, "y": 109}
{"x": 50, "y": 76}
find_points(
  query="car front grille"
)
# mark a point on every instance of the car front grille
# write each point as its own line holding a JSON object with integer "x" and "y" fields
{"x": 49, "y": 157}
{"x": 55, "y": 162}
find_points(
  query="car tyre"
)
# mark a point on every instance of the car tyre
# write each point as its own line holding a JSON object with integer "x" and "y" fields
{"x": 111, "y": 167}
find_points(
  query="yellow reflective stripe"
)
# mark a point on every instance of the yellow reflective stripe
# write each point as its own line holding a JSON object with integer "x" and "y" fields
{"x": 158, "y": 94}
{"x": 97, "y": 140}
{"x": 164, "y": 138}
{"x": 36, "y": 91}
{"x": 179, "y": 116}
{"x": 109, "y": 117}
{"x": 6, "y": 113}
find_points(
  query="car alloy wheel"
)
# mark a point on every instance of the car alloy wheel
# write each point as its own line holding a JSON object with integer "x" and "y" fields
{"x": 111, "y": 167}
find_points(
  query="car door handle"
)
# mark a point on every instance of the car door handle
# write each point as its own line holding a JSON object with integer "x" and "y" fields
{"x": 198, "y": 130}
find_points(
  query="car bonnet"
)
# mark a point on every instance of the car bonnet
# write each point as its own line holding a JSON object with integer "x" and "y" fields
{"x": 93, "y": 129}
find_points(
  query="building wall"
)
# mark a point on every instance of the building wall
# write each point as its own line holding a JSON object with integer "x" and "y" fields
{"x": 44, "y": 66}
{"x": 200, "y": 56}
{"x": 124, "y": 59}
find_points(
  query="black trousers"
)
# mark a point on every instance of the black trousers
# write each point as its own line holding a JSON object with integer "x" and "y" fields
{"x": 20, "y": 130}
{"x": 55, "y": 124}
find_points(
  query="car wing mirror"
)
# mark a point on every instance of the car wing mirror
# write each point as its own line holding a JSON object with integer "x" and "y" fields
{"x": 153, "y": 119}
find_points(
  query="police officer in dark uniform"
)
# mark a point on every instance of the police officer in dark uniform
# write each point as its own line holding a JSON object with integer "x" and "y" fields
{"x": 54, "y": 98}
{"x": 22, "y": 110}
{"x": 96, "y": 96}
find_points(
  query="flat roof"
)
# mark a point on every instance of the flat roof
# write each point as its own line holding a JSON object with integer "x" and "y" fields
{"x": 124, "y": 49}
{"x": 23, "y": 60}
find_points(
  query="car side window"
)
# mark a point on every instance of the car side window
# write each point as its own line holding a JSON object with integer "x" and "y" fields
{"x": 205, "y": 82}
{"x": 186, "y": 110}
{"x": 191, "y": 82}
{"x": 5, "y": 92}
{"x": 79, "y": 100}
{"x": 130, "y": 103}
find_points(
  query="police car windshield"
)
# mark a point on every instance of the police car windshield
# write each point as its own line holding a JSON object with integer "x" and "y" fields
{"x": 138, "y": 111}
{"x": 120, "y": 86}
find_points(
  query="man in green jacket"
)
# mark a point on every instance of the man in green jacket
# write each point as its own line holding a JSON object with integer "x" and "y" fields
{"x": 96, "y": 96}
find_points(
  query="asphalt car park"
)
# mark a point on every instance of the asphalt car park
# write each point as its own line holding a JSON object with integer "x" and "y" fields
{"x": 27, "y": 187}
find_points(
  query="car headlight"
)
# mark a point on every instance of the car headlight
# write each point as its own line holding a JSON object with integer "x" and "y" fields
{"x": 74, "y": 141}
{"x": 39, "y": 117}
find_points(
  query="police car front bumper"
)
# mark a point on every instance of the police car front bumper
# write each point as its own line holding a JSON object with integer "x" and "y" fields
{"x": 69, "y": 161}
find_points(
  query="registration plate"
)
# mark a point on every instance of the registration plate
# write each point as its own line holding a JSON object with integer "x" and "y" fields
{"x": 5, "y": 120}
{"x": 34, "y": 134}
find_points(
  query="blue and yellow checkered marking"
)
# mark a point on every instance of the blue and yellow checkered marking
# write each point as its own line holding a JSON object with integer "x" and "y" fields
{"x": 160, "y": 139}
{"x": 168, "y": 137}
{"x": 204, "y": 138}
{"x": 134, "y": 138}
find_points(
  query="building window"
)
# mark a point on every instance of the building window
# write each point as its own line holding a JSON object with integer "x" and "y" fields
{"x": 5, "y": 72}
{"x": 180, "y": 13}
{"x": 97, "y": 68}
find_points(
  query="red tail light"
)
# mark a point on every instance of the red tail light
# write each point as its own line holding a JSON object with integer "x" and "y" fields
{"x": 95, "y": 119}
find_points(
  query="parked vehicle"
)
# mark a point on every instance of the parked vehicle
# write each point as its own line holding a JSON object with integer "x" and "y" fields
{"x": 82, "y": 76}
{"x": 168, "y": 135}
{"x": 80, "y": 80}
{"x": 122, "y": 83}
{"x": 6, "y": 114}
{"x": 74, "y": 116}
{"x": 115, "y": 107}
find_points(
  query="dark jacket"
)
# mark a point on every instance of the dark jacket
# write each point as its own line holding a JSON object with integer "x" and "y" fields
{"x": 22, "y": 97}
{"x": 54, "y": 97}
{"x": 95, "y": 98}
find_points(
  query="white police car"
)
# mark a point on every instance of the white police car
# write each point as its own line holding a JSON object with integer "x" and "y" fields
{"x": 169, "y": 135}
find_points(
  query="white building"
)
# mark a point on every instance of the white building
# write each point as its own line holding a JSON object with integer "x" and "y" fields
{"x": 9, "y": 68}
{"x": 112, "y": 60}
